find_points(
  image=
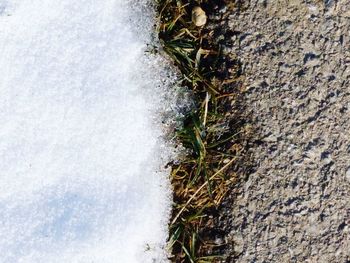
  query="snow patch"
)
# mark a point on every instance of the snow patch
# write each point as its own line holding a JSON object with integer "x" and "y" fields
{"x": 82, "y": 151}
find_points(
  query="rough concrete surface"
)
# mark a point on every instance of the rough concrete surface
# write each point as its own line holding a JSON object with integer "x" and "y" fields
{"x": 295, "y": 204}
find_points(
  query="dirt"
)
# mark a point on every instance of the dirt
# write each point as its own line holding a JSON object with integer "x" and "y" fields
{"x": 294, "y": 203}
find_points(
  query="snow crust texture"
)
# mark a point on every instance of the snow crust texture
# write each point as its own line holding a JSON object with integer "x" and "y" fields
{"x": 81, "y": 150}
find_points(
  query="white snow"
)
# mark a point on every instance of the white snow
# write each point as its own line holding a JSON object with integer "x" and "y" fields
{"x": 81, "y": 151}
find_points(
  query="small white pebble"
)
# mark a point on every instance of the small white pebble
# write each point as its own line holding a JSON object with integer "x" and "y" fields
{"x": 199, "y": 18}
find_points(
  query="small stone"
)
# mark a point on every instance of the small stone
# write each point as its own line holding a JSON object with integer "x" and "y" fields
{"x": 238, "y": 243}
{"x": 348, "y": 174}
{"x": 199, "y": 18}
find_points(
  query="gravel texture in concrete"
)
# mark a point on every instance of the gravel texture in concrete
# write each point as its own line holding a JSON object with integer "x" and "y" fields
{"x": 294, "y": 206}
